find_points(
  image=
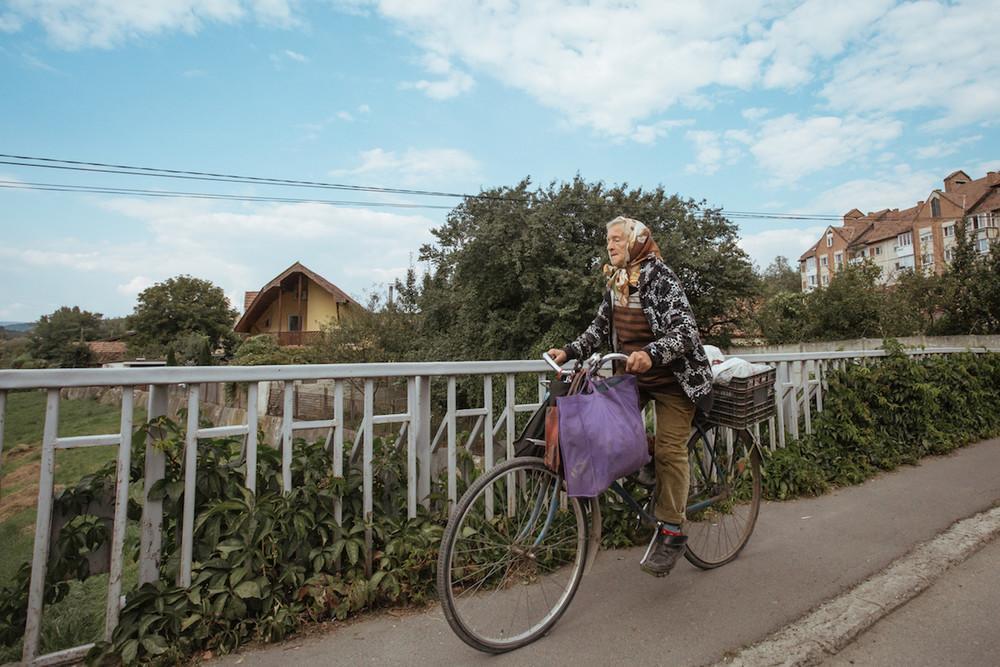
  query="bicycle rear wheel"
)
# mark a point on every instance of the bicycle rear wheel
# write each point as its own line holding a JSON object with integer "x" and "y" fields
{"x": 512, "y": 556}
{"x": 724, "y": 497}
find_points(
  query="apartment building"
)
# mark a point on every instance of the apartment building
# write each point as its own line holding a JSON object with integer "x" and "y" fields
{"x": 921, "y": 237}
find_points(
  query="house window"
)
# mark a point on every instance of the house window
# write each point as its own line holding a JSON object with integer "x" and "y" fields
{"x": 949, "y": 254}
{"x": 829, "y": 239}
{"x": 927, "y": 260}
{"x": 936, "y": 208}
{"x": 838, "y": 260}
{"x": 812, "y": 281}
{"x": 983, "y": 246}
{"x": 826, "y": 280}
{"x": 905, "y": 239}
{"x": 293, "y": 323}
{"x": 948, "y": 231}
{"x": 823, "y": 261}
{"x": 878, "y": 250}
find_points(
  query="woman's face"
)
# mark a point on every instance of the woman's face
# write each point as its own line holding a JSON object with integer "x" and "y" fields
{"x": 617, "y": 245}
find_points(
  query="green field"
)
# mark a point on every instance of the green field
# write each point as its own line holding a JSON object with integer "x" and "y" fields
{"x": 79, "y": 618}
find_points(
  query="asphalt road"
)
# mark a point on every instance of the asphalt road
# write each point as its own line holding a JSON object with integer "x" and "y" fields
{"x": 954, "y": 622}
{"x": 802, "y": 553}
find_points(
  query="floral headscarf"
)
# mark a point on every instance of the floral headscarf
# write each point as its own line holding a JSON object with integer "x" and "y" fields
{"x": 640, "y": 247}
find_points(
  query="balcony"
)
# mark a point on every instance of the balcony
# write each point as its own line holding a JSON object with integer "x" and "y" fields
{"x": 904, "y": 250}
{"x": 296, "y": 337}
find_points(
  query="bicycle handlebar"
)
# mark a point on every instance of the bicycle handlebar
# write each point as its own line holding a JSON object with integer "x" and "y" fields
{"x": 595, "y": 362}
{"x": 551, "y": 362}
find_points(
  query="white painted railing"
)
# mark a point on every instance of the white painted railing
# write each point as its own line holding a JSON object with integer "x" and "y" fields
{"x": 800, "y": 385}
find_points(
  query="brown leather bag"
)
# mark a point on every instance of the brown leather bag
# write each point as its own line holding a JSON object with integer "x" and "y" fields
{"x": 552, "y": 458}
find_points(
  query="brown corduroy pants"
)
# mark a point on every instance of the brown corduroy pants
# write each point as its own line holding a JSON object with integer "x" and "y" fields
{"x": 674, "y": 416}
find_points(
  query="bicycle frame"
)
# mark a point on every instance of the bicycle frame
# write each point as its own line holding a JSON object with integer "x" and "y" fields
{"x": 712, "y": 464}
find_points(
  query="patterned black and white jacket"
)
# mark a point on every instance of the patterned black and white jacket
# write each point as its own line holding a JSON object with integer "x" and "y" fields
{"x": 677, "y": 344}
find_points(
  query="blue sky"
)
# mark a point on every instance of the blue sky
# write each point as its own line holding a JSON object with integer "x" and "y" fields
{"x": 762, "y": 105}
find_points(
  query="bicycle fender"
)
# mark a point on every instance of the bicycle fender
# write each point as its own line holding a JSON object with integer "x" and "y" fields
{"x": 594, "y": 540}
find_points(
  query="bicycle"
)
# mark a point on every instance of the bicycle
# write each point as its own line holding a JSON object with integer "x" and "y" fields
{"x": 516, "y": 546}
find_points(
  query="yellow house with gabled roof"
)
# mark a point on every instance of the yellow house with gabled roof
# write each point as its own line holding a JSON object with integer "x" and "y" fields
{"x": 295, "y": 306}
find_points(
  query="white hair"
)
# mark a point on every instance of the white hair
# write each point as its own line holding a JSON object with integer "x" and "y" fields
{"x": 634, "y": 230}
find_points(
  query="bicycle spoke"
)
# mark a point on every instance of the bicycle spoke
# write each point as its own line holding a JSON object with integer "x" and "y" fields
{"x": 499, "y": 588}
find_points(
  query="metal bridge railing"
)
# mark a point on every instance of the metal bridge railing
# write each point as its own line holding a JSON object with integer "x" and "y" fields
{"x": 800, "y": 386}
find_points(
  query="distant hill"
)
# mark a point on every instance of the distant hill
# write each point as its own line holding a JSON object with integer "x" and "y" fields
{"x": 22, "y": 327}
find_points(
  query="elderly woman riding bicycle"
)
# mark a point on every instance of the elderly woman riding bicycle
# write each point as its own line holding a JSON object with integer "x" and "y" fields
{"x": 646, "y": 315}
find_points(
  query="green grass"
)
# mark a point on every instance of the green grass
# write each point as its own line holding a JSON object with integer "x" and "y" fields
{"x": 79, "y": 618}
{"x": 22, "y": 447}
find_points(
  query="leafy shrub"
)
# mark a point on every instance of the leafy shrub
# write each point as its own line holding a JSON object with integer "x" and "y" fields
{"x": 879, "y": 415}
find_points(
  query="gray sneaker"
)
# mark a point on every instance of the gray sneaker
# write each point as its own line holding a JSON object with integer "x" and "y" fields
{"x": 663, "y": 551}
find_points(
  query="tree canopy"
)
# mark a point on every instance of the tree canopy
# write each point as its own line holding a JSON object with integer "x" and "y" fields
{"x": 517, "y": 269}
{"x": 964, "y": 299}
{"x": 59, "y": 338}
{"x": 180, "y": 309}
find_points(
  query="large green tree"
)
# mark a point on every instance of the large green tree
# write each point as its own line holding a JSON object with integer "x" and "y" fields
{"x": 177, "y": 308}
{"x": 970, "y": 287}
{"x": 59, "y": 338}
{"x": 518, "y": 269}
{"x": 779, "y": 276}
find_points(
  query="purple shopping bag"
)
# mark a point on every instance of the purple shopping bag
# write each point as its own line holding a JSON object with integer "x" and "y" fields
{"x": 602, "y": 435}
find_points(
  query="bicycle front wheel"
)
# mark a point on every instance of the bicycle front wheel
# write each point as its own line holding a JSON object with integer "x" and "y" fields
{"x": 724, "y": 496}
{"x": 512, "y": 556}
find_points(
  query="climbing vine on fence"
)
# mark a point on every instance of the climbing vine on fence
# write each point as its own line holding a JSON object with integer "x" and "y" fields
{"x": 266, "y": 563}
{"x": 877, "y": 416}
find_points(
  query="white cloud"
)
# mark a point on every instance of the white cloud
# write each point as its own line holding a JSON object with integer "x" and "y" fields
{"x": 789, "y": 147}
{"x": 364, "y": 108}
{"x": 897, "y": 188}
{"x": 980, "y": 170}
{"x": 134, "y": 286}
{"x": 10, "y": 23}
{"x": 648, "y": 134}
{"x": 282, "y": 57}
{"x": 715, "y": 149}
{"x": 944, "y": 148}
{"x": 9, "y": 179}
{"x": 415, "y": 167}
{"x": 345, "y": 116}
{"x": 452, "y": 82}
{"x": 613, "y": 66}
{"x": 238, "y": 247}
{"x": 813, "y": 30}
{"x": 765, "y": 245}
{"x": 755, "y": 113}
{"x": 708, "y": 152}
{"x": 15, "y": 311}
{"x": 38, "y": 63}
{"x": 927, "y": 55}
{"x": 76, "y": 24}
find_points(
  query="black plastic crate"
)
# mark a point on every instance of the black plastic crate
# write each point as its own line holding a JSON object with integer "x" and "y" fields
{"x": 744, "y": 401}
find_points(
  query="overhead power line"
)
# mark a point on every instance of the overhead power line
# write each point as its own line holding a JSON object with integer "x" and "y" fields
{"x": 171, "y": 194}
{"x": 131, "y": 170}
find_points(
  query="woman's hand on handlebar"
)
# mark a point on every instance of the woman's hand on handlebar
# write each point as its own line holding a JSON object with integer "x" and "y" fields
{"x": 638, "y": 362}
{"x": 558, "y": 356}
